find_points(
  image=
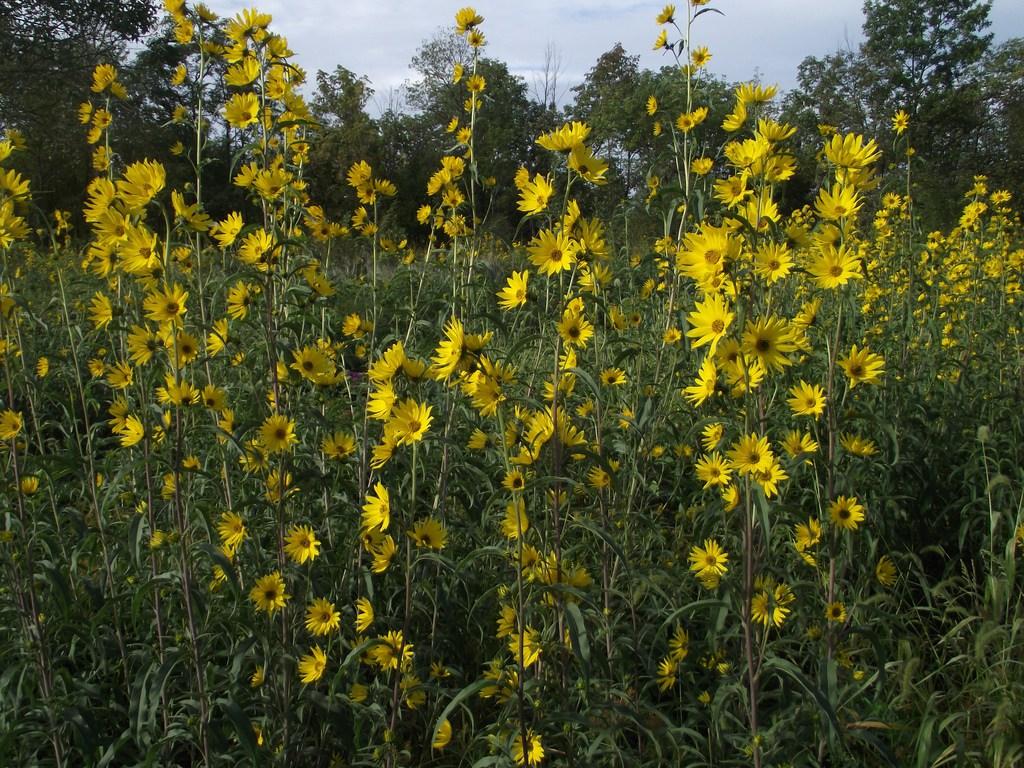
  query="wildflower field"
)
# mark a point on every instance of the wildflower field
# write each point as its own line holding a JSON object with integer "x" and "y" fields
{"x": 717, "y": 480}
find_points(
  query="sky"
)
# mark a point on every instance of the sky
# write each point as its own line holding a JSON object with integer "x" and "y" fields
{"x": 763, "y": 39}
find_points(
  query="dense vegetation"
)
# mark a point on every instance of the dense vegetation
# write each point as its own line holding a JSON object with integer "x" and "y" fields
{"x": 679, "y": 427}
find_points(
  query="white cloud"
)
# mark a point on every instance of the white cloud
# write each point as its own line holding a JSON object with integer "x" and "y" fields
{"x": 379, "y": 37}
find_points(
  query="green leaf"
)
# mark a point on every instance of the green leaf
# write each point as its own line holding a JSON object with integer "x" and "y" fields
{"x": 578, "y": 638}
{"x": 461, "y": 696}
{"x": 243, "y": 726}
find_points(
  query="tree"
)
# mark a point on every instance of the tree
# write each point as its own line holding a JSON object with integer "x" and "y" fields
{"x": 507, "y": 124}
{"x": 1003, "y": 133}
{"x": 611, "y": 99}
{"x": 925, "y": 58}
{"x": 546, "y": 89}
{"x": 48, "y": 49}
{"x": 346, "y": 134}
{"x": 920, "y": 52}
{"x": 830, "y": 91}
{"x": 432, "y": 93}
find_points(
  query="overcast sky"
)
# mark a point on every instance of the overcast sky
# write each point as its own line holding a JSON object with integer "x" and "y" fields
{"x": 378, "y": 38}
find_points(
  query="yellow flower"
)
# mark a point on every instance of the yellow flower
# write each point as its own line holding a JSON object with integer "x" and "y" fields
{"x": 838, "y": 203}
{"x": 166, "y": 305}
{"x": 177, "y": 392}
{"x": 846, "y": 512}
{"x": 312, "y": 364}
{"x": 769, "y": 477}
{"x": 772, "y": 262}
{"x": 835, "y": 612}
{"x": 768, "y": 340}
{"x": 589, "y": 167}
{"x": 733, "y": 190}
{"x": 862, "y": 366}
{"x": 410, "y": 422}
{"x": 614, "y": 377}
{"x": 704, "y": 385}
{"x": 243, "y": 72}
{"x": 687, "y": 121}
{"x": 301, "y": 544}
{"x": 667, "y": 15}
{"x": 390, "y": 650}
{"x": 770, "y": 605}
{"x": 102, "y": 77}
{"x": 565, "y": 138}
{"x": 535, "y": 195}
{"x": 702, "y": 165}
{"x": 10, "y": 424}
{"x": 358, "y": 692}
{"x": 679, "y": 645}
{"x": 709, "y": 560}
{"x": 364, "y": 615}
{"x": 186, "y": 349}
{"x": 321, "y": 617}
{"x": 120, "y": 375}
{"x": 214, "y": 398}
{"x": 231, "y": 530}
{"x": 277, "y": 433}
{"x": 714, "y": 470}
{"x": 448, "y": 354}
{"x": 142, "y": 344}
{"x": 711, "y": 435}
{"x": 225, "y": 232}
{"x": 528, "y": 749}
{"x": 513, "y": 295}
{"x": 752, "y": 93}
{"x": 834, "y": 267}
{"x": 141, "y": 183}
{"x": 100, "y": 311}
{"x": 851, "y": 152}
{"x": 806, "y": 536}
{"x": 339, "y": 445}
{"x": 857, "y": 445}
{"x": 807, "y": 399}
{"x": 377, "y": 510}
{"x": 429, "y": 533}
{"x": 797, "y": 442}
{"x": 515, "y": 523}
{"x": 735, "y": 119}
{"x": 312, "y": 665}
{"x": 467, "y": 18}
{"x": 242, "y": 110}
{"x": 900, "y": 122}
{"x": 709, "y": 321}
{"x": 575, "y": 329}
{"x": 700, "y": 57}
{"x": 269, "y": 593}
{"x": 885, "y": 571}
{"x": 443, "y": 735}
{"x": 668, "y": 669}
{"x": 131, "y": 432}
{"x": 750, "y": 454}
{"x": 552, "y": 252}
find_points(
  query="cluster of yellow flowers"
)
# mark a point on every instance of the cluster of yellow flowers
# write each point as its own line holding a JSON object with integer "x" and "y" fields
{"x": 611, "y": 441}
